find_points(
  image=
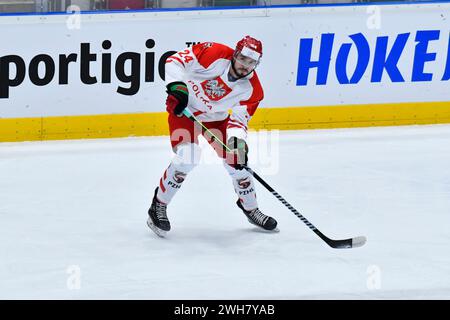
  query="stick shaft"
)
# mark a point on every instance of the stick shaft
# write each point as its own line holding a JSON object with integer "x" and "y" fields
{"x": 337, "y": 244}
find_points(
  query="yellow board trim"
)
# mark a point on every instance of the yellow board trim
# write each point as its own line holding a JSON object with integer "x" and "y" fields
{"x": 350, "y": 116}
{"x": 291, "y": 118}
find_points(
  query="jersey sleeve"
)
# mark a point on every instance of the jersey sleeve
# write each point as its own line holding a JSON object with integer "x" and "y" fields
{"x": 242, "y": 113}
{"x": 179, "y": 65}
{"x": 195, "y": 59}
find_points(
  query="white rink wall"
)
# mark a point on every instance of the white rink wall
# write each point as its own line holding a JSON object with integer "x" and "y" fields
{"x": 37, "y": 79}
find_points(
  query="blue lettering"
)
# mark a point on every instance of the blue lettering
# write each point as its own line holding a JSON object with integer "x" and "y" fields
{"x": 421, "y": 55}
{"x": 383, "y": 61}
{"x": 447, "y": 67}
{"x": 322, "y": 65}
{"x": 363, "y": 59}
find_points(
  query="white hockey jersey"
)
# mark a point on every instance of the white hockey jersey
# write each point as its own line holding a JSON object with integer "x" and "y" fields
{"x": 204, "y": 68}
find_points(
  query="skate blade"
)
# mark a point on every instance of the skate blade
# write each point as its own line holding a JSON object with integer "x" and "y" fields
{"x": 155, "y": 229}
{"x": 261, "y": 229}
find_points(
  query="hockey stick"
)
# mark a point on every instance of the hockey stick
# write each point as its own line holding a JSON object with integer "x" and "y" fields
{"x": 337, "y": 244}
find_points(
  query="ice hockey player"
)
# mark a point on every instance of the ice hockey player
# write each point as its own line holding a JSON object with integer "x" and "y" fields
{"x": 210, "y": 78}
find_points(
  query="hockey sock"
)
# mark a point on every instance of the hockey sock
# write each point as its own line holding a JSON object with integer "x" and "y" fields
{"x": 243, "y": 186}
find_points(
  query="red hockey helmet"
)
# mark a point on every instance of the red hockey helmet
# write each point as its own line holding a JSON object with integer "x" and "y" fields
{"x": 249, "y": 47}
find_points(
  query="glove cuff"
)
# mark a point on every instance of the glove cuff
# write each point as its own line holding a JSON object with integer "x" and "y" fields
{"x": 177, "y": 87}
{"x": 180, "y": 91}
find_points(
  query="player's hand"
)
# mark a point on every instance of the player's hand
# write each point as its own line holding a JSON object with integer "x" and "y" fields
{"x": 177, "y": 98}
{"x": 238, "y": 157}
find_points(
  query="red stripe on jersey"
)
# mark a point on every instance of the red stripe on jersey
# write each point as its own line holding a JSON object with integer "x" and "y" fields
{"x": 236, "y": 122}
{"x": 256, "y": 97}
{"x": 165, "y": 175}
{"x": 176, "y": 58}
{"x": 236, "y": 125}
{"x": 197, "y": 113}
{"x": 162, "y": 186}
{"x": 209, "y": 52}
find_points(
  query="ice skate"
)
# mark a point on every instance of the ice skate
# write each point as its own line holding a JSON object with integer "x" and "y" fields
{"x": 157, "y": 220}
{"x": 259, "y": 219}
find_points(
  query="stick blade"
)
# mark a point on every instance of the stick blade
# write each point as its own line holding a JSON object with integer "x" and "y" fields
{"x": 347, "y": 243}
{"x": 358, "y": 241}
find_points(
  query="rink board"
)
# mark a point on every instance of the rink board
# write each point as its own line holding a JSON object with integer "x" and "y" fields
{"x": 155, "y": 124}
{"x": 102, "y": 74}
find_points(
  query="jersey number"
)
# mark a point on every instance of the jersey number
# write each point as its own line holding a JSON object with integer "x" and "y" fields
{"x": 185, "y": 56}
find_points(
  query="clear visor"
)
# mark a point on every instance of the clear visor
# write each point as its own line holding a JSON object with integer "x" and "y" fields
{"x": 246, "y": 61}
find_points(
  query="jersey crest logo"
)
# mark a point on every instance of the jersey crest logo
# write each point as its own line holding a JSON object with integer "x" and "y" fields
{"x": 215, "y": 89}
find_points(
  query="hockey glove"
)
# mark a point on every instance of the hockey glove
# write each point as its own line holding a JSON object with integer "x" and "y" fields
{"x": 177, "y": 98}
{"x": 238, "y": 157}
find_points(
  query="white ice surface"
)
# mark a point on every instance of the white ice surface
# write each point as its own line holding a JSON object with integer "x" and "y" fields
{"x": 84, "y": 204}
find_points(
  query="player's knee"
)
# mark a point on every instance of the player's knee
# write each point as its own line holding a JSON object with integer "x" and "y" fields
{"x": 234, "y": 173}
{"x": 187, "y": 156}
